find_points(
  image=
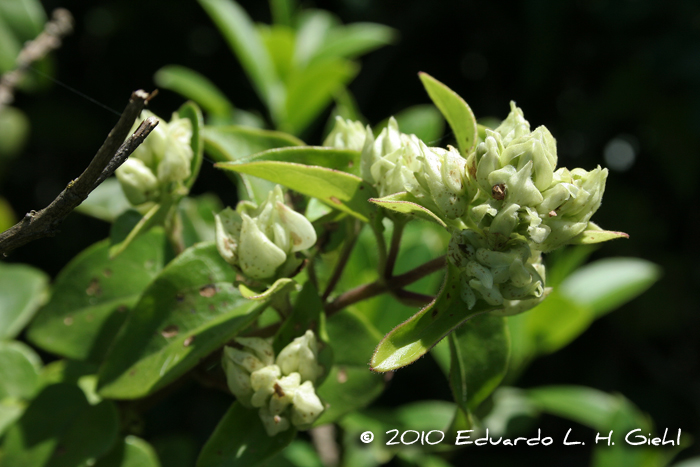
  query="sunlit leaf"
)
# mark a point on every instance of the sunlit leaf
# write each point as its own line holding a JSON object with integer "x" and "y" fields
{"x": 190, "y": 310}
{"x": 354, "y": 40}
{"x": 411, "y": 340}
{"x": 408, "y": 204}
{"x": 92, "y": 295}
{"x": 455, "y": 110}
{"x": 106, "y": 202}
{"x": 130, "y": 452}
{"x": 342, "y": 191}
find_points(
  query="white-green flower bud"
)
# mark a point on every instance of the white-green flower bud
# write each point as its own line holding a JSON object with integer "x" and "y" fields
{"x": 153, "y": 147}
{"x": 443, "y": 178}
{"x": 175, "y": 165}
{"x": 284, "y": 391}
{"x": 263, "y": 382}
{"x": 514, "y": 125}
{"x": 137, "y": 181}
{"x": 346, "y": 134}
{"x": 569, "y": 204}
{"x": 301, "y": 356}
{"x": 306, "y": 406}
{"x": 261, "y": 239}
{"x": 388, "y": 141}
{"x": 239, "y": 364}
{"x": 228, "y": 232}
{"x": 273, "y": 423}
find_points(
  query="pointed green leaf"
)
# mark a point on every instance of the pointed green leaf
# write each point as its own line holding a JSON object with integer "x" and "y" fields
{"x": 594, "y": 234}
{"x": 412, "y": 339}
{"x": 282, "y": 11}
{"x": 408, "y": 204}
{"x": 455, "y": 110}
{"x": 23, "y": 289}
{"x": 311, "y": 90}
{"x": 240, "y": 440}
{"x": 130, "y": 452}
{"x": 61, "y": 429}
{"x": 345, "y": 160}
{"x": 279, "y": 41}
{"x": 342, "y": 191}
{"x": 244, "y": 40}
{"x": 190, "y": 310}
{"x": 92, "y": 295}
{"x": 196, "y": 87}
{"x": 354, "y": 40}
{"x": 608, "y": 283}
{"x": 231, "y": 143}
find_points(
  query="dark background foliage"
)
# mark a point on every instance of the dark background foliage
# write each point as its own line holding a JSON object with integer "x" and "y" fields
{"x": 616, "y": 82}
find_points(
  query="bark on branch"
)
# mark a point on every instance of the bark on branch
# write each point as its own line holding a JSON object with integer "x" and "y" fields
{"x": 109, "y": 157}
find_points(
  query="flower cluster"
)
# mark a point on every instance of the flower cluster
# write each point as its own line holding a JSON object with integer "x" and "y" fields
{"x": 260, "y": 240}
{"x": 282, "y": 388}
{"x": 504, "y": 203}
{"x": 163, "y": 159}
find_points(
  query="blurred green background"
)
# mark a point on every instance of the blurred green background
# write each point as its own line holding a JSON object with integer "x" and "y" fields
{"x": 616, "y": 82}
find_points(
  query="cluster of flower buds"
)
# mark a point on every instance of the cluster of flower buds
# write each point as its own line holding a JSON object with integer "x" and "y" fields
{"x": 163, "y": 159}
{"x": 282, "y": 388}
{"x": 502, "y": 277}
{"x": 504, "y": 204}
{"x": 346, "y": 134}
{"x": 260, "y": 240}
{"x": 522, "y": 193}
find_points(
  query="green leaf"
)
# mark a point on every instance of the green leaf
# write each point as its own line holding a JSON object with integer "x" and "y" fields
{"x": 311, "y": 90}
{"x": 279, "y": 41}
{"x": 19, "y": 371}
{"x": 61, "y": 429}
{"x": 594, "y": 234}
{"x": 23, "y": 289}
{"x": 196, "y": 87}
{"x": 130, "y": 452}
{"x": 411, "y": 340}
{"x": 155, "y": 216}
{"x": 10, "y": 411}
{"x": 106, "y": 202}
{"x": 455, "y": 110}
{"x": 608, "y": 283}
{"x": 298, "y": 454}
{"x": 349, "y": 386}
{"x": 197, "y": 216}
{"x": 345, "y": 160}
{"x": 190, "y": 111}
{"x": 245, "y": 41}
{"x": 479, "y": 354}
{"x": 314, "y": 27}
{"x": 190, "y": 310}
{"x": 7, "y": 216}
{"x": 283, "y": 284}
{"x": 240, "y": 440}
{"x": 231, "y": 143}
{"x": 353, "y": 40}
{"x": 408, "y": 204}
{"x": 92, "y": 294}
{"x": 342, "y": 191}
{"x": 26, "y": 17}
{"x": 563, "y": 261}
{"x": 306, "y": 314}
{"x": 11, "y": 46}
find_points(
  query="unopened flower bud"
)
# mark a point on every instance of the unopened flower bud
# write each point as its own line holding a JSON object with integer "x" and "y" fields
{"x": 239, "y": 364}
{"x": 137, "y": 181}
{"x": 273, "y": 423}
{"x": 306, "y": 406}
{"x": 514, "y": 125}
{"x": 301, "y": 356}
{"x": 284, "y": 391}
{"x": 346, "y": 134}
{"x": 261, "y": 239}
{"x": 175, "y": 165}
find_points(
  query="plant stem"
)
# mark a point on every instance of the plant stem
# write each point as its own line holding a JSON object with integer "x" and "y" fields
{"x": 353, "y": 231}
{"x": 373, "y": 289}
{"x": 394, "y": 248}
{"x": 412, "y": 298}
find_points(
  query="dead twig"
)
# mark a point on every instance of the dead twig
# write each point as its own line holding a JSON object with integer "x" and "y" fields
{"x": 109, "y": 157}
